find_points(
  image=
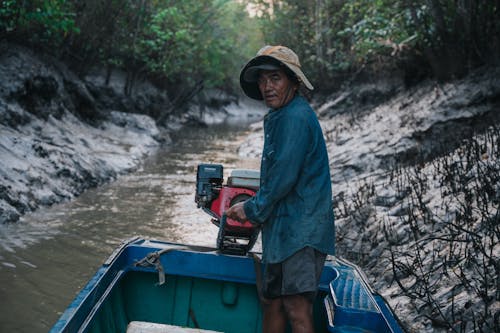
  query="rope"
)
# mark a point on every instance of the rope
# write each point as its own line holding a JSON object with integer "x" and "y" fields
{"x": 258, "y": 278}
{"x": 153, "y": 259}
{"x": 193, "y": 318}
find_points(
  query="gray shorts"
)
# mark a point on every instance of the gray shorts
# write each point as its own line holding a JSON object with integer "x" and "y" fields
{"x": 298, "y": 274}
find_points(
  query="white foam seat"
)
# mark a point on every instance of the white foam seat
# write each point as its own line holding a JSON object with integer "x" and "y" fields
{"x": 146, "y": 327}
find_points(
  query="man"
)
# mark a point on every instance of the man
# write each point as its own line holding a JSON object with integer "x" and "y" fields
{"x": 294, "y": 202}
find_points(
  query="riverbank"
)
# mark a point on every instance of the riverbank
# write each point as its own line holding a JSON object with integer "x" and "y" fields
{"x": 56, "y": 138}
{"x": 415, "y": 177}
{"x": 61, "y": 134}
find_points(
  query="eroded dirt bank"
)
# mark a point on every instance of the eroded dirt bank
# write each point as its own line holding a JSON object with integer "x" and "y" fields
{"x": 61, "y": 134}
{"x": 57, "y": 139}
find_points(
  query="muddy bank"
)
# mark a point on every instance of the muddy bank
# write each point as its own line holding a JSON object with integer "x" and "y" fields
{"x": 413, "y": 177}
{"x": 61, "y": 134}
{"x": 57, "y": 138}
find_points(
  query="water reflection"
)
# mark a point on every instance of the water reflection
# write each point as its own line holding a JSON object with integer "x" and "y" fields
{"x": 48, "y": 256}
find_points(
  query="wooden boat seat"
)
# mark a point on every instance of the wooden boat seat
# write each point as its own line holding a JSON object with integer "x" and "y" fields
{"x": 146, "y": 327}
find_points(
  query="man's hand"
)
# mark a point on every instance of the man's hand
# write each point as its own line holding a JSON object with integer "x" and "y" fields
{"x": 236, "y": 212}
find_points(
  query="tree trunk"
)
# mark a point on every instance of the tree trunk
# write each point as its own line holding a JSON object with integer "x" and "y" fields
{"x": 109, "y": 70}
{"x": 318, "y": 14}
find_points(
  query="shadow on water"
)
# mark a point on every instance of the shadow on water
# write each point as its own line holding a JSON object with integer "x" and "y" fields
{"x": 48, "y": 256}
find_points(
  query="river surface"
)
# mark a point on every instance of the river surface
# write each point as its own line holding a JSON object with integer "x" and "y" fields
{"x": 48, "y": 256}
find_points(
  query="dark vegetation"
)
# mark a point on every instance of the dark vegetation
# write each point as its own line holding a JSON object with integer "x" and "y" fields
{"x": 440, "y": 237}
{"x": 460, "y": 247}
{"x": 179, "y": 46}
{"x": 355, "y": 40}
{"x": 183, "y": 46}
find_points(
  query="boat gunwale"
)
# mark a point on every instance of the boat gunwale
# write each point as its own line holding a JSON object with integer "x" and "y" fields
{"x": 125, "y": 258}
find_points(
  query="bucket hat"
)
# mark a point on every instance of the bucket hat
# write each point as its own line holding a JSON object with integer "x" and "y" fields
{"x": 270, "y": 58}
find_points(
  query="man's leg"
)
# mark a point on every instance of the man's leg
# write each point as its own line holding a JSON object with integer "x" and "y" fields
{"x": 291, "y": 286}
{"x": 299, "y": 310}
{"x": 301, "y": 275}
{"x": 274, "y": 320}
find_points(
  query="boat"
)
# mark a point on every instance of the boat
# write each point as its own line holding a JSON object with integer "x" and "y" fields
{"x": 156, "y": 286}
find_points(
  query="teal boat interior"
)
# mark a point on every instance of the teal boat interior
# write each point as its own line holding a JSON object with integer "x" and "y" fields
{"x": 191, "y": 287}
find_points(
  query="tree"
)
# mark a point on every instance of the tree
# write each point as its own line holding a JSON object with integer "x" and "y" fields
{"x": 337, "y": 38}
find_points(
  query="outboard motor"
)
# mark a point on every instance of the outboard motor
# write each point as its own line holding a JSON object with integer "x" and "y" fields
{"x": 209, "y": 180}
{"x": 215, "y": 198}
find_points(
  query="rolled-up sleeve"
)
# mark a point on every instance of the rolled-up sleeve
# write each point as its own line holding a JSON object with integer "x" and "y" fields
{"x": 290, "y": 142}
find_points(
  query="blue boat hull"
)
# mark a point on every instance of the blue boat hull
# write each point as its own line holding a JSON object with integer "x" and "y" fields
{"x": 186, "y": 286}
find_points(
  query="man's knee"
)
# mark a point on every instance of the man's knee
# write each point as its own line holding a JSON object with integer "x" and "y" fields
{"x": 273, "y": 305}
{"x": 297, "y": 307}
{"x": 274, "y": 316}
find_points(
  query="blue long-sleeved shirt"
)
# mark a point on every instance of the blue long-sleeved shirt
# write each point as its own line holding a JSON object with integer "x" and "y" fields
{"x": 294, "y": 202}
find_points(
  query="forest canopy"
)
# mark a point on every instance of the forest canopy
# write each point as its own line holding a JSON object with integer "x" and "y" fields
{"x": 191, "y": 42}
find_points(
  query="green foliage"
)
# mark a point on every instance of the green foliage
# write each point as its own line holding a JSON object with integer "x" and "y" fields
{"x": 179, "y": 44}
{"x": 377, "y": 29}
{"x": 176, "y": 43}
{"x": 166, "y": 40}
{"x": 43, "y": 20}
{"x": 194, "y": 41}
{"x": 8, "y": 14}
{"x": 337, "y": 38}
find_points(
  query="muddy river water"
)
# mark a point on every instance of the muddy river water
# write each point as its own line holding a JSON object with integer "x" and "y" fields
{"x": 48, "y": 256}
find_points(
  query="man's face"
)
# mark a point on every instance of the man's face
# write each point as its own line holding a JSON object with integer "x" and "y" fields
{"x": 276, "y": 88}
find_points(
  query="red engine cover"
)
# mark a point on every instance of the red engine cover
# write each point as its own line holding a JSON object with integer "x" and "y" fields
{"x": 228, "y": 196}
